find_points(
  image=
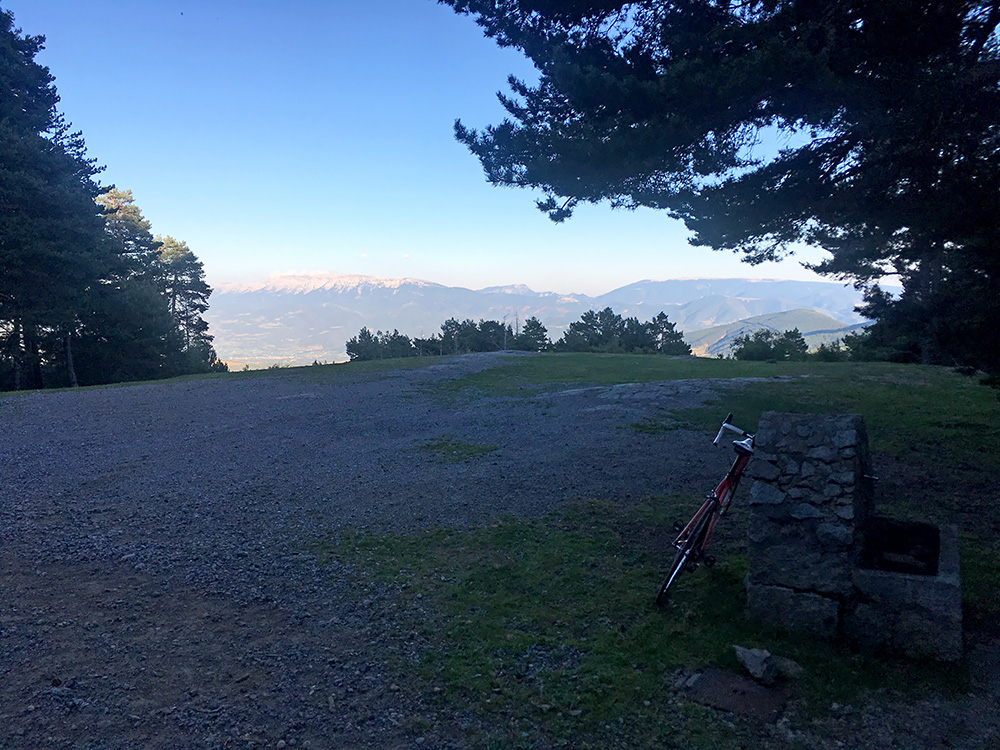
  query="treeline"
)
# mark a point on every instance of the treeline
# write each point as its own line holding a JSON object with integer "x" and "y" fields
{"x": 766, "y": 344}
{"x": 87, "y": 294}
{"x": 790, "y": 346}
{"x": 603, "y": 331}
{"x": 456, "y": 337}
{"x": 879, "y": 342}
{"x": 606, "y": 331}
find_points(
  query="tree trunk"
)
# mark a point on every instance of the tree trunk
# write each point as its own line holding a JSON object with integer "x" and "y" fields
{"x": 31, "y": 349}
{"x": 16, "y": 353}
{"x": 930, "y": 287}
{"x": 70, "y": 369}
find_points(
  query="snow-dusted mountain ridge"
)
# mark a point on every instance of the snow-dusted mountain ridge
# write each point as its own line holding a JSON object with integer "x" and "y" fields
{"x": 301, "y": 283}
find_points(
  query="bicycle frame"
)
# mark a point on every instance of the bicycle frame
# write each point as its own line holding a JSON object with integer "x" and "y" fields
{"x": 721, "y": 497}
{"x": 693, "y": 538}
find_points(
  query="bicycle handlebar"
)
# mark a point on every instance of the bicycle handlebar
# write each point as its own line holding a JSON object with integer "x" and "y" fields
{"x": 727, "y": 425}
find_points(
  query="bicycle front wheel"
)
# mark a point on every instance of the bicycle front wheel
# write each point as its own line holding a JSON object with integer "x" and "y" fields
{"x": 675, "y": 570}
{"x": 684, "y": 556}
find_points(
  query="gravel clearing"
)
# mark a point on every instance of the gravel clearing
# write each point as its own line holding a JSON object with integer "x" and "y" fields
{"x": 155, "y": 588}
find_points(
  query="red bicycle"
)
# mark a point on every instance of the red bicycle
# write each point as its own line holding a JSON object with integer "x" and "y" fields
{"x": 693, "y": 538}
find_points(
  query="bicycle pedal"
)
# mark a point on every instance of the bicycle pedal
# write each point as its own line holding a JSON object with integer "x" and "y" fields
{"x": 709, "y": 561}
{"x": 678, "y": 527}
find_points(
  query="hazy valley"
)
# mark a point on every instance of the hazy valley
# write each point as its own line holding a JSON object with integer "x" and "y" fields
{"x": 298, "y": 319}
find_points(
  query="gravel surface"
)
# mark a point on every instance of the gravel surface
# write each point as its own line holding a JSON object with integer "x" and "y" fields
{"x": 155, "y": 588}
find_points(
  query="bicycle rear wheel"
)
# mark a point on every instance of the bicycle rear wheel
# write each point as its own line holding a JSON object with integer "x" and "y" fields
{"x": 685, "y": 555}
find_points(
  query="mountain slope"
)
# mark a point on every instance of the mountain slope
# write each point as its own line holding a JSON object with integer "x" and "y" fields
{"x": 816, "y": 328}
{"x": 708, "y": 302}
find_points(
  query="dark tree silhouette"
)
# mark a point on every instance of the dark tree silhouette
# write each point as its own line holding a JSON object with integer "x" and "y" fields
{"x": 885, "y": 116}
{"x": 82, "y": 287}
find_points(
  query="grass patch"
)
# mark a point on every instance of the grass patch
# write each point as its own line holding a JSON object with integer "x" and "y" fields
{"x": 980, "y": 583}
{"x": 932, "y": 418}
{"x": 344, "y": 372}
{"x": 657, "y": 424}
{"x": 544, "y": 630}
{"x": 519, "y": 375}
{"x": 906, "y": 407}
{"x": 909, "y": 409}
{"x": 447, "y": 450}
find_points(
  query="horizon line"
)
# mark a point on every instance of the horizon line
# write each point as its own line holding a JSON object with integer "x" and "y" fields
{"x": 275, "y": 276}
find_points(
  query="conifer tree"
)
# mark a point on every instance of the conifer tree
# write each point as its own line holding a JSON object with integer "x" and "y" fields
{"x": 533, "y": 337}
{"x": 127, "y": 332}
{"x": 884, "y": 115}
{"x": 183, "y": 278}
{"x": 668, "y": 340}
{"x": 52, "y": 246}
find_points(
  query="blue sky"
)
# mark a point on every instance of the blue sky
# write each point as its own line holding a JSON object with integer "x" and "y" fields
{"x": 317, "y": 136}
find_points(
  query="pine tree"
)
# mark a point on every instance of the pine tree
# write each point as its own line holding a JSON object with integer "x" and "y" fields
{"x": 53, "y": 250}
{"x": 668, "y": 339}
{"x": 182, "y": 277}
{"x": 886, "y": 114}
{"x": 533, "y": 337}
{"x": 130, "y": 231}
{"x": 363, "y": 347}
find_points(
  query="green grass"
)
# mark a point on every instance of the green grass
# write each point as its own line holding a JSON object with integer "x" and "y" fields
{"x": 657, "y": 423}
{"x": 545, "y": 630}
{"x": 532, "y": 374}
{"x": 980, "y": 582}
{"x": 935, "y": 432}
{"x": 908, "y": 409}
{"x": 448, "y": 450}
{"x": 342, "y": 372}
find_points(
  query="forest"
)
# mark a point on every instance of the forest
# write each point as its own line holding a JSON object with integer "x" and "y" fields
{"x": 88, "y": 294}
{"x": 603, "y": 331}
{"x": 607, "y": 332}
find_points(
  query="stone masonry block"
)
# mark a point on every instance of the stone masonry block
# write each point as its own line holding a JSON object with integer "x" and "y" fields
{"x": 920, "y": 615}
{"x": 792, "y": 610}
{"x": 783, "y": 560}
{"x": 765, "y": 494}
{"x": 764, "y": 470}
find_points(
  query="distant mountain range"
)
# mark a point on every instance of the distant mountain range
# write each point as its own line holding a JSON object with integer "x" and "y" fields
{"x": 296, "y": 319}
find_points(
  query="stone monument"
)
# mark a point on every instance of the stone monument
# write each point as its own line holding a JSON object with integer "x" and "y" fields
{"x": 819, "y": 561}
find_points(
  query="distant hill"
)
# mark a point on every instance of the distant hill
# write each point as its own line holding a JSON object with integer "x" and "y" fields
{"x": 816, "y": 327}
{"x": 707, "y": 302}
{"x": 296, "y": 319}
